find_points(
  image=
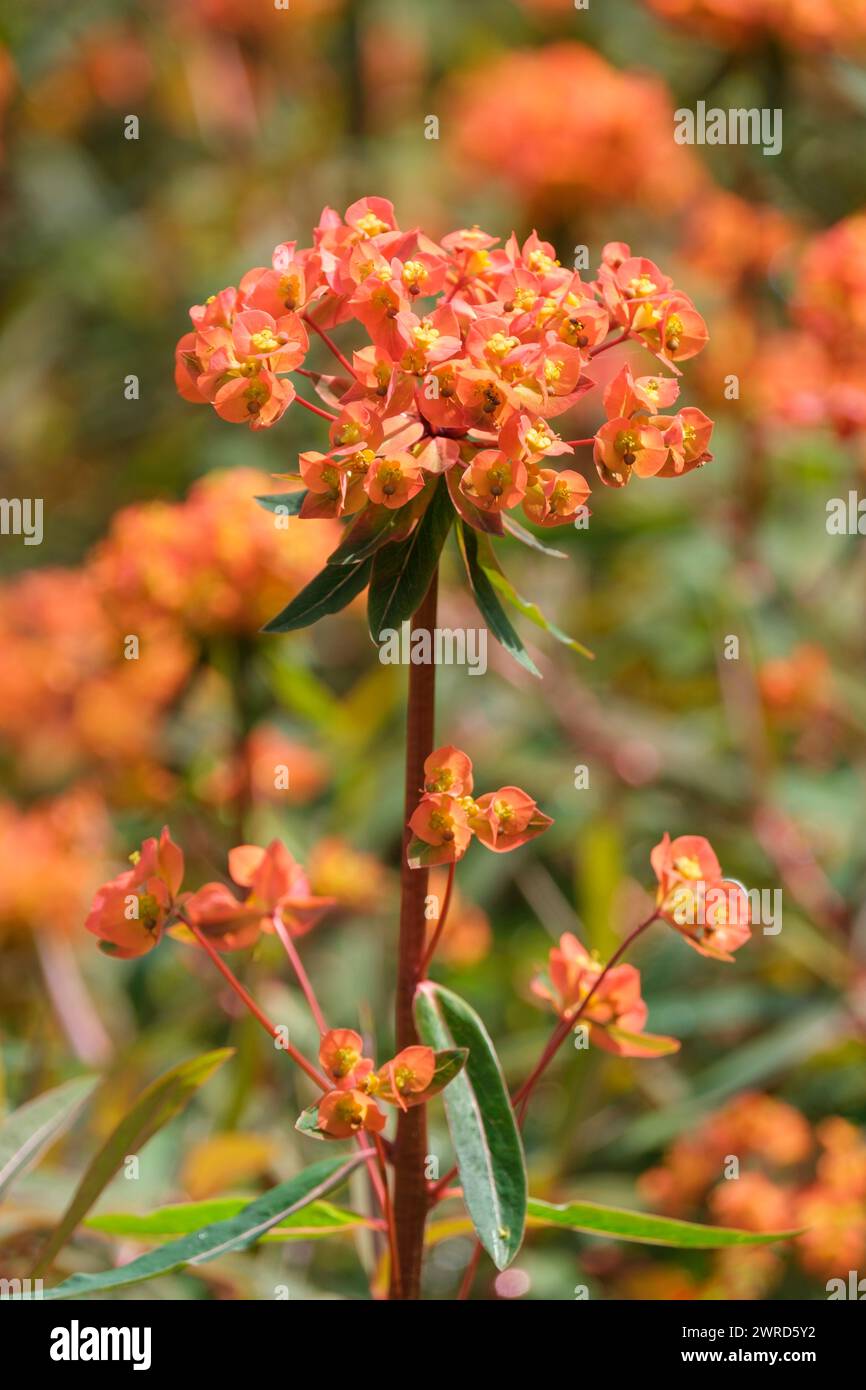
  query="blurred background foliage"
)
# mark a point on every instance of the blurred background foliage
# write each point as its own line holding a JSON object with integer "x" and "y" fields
{"x": 250, "y": 120}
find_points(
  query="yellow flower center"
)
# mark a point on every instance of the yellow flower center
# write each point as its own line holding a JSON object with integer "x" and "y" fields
{"x": 264, "y": 341}
{"x": 371, "y": 225}
{"x": 641, "y": 286}
{"x": 540, "y": 262}
{"x": 345, "y": 1059}
{"x": 414, "y": 274}
{"x": 688, "y": 867}
{"x": 538, "y": 440}
{"x": 425, "y": 334}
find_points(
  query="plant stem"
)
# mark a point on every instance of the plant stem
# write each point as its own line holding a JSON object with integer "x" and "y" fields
{"x": 410, "y": 1149}
{"x": 250, "y": 1003}
{"x": 611, "y": 342}
{"x": 440, "y": 925}
{"x": 332, "y": 346}
{"x": 317, "y": 409}
{"x": 387, "y": 1210}
{"x": 469, "y": 1276}
{"x": 303, "y": 979}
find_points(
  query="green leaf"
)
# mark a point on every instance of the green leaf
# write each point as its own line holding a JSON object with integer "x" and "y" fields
{"x": 488, "y": 604}
{"x": 308, "y": 1123}
{"x": 481, "y": 1120}
{"x": 520, "y": 533}
{"x": 368, "y": 531}
{"x": 525, "y": 606}
{"x": 156, "y": 1105}
{"x": 449, "y": 1063}
{"x": 402, "y": 571}
{"x": 314, "y": 1222}
{"x": 222, "y": 1237}
{"x": 28, "y": 1131}
{"x": 286, "y": 503}
{"x": 643, "y": 1228}
{"x": 332, "y": 588}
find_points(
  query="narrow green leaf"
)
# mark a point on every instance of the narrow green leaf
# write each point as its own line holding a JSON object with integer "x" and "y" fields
{"x": 222, "y": 1237}
{"x": 481, "y": 1120}
{"x": 332, "y": 588}
{"x": 315, "y": 1221}
{"x": 525, "y": 606}
{"x": 521, "y": 533}
{"x": 643, "y": 1228}
{"x": 156, "y": 1105}
{"x": 28, "y": 1131}
{"x": 308, "y": 1123}
{"x": 489, "y": 606}
{"x": 285, "y": 503}
{"x": 449, "y": 1063}
{"x": 402, "y": 571}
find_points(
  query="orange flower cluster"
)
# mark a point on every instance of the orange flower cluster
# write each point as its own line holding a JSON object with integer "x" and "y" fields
{"x": 49, "y": 855}
{"x": 213, "y": 563}
{"x": 408, "y": 1079}
{"x": 70, "y": 700}
{"x": 131, "y": 912}
{"x": 568, "y": 131}
{"x": 448, "y": 815}
{"x": 77, "y": 697}
{"x": 610, "y": 1000}
{"x": 789, "y": 1178}
{"x": 802, "y": 24}
{"x": 712, "y": 913}
{"x": 473, "y": 349}
{"x": 812, "y": 376}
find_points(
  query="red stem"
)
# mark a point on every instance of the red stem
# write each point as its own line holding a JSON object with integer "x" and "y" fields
{"x": 575, "y": 443}
{"x": 250, "y": 1003}
{"x": 328, "y": 340}
{"x": 303, "y": 979}
{"x": 316, "y": 409}
{"x": 388, "y": 1212}
{"x": 410, "y": 1147}
{"x": 469, "y": 1276}
{"x": 440, "y": 925}
{"x": 611, "y": 342}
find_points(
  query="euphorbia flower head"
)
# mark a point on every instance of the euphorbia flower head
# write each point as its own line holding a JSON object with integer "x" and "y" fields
{"x": 340, "y": 1054}
{"x": 405, "y": 1080}
{"x": 514, "y": 817}
{"x": 130, "y": 912}
{"x": 449, "y": 770}
{"x": 447, "y": 815}
{"x": 276, "y": 887}
{"x": 343, "y": 1114}
{"x": 472, "y": 349}
{"x": 710, "y": 911}
{"x": 610, "y": 1002}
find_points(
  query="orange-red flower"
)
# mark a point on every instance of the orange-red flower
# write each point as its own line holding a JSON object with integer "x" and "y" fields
{"x": 129, "y": 913}
{"x": 447, "y": 815}
{"x": 711, "y": 912}
{"x": 610, "y": 1001}
{"x": 351, "y": 1106}
{"x": 277, "y": 886}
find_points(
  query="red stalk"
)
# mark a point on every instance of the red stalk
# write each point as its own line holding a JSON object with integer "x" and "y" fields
{"x": 410, "y": 1147}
